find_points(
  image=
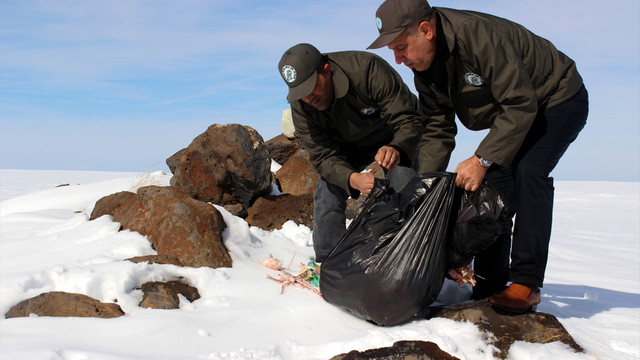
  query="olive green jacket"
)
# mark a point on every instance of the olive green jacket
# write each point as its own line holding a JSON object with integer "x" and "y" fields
{"x": 499, "y": 76}
{"x": 373, "y": 107}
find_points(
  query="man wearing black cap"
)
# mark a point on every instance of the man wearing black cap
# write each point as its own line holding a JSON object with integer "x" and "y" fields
{"x": 349, "y": 109}
{"x": 493, "y": 74}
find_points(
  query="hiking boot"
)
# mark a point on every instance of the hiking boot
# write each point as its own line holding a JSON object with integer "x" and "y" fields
{"x": 517, "y": 298}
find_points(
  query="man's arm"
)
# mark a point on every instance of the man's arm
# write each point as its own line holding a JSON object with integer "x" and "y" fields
{"x": 324, "y": 152}
{"x": 438, "y": 139}
{"x": 399, "y": 108}
{"x": 512, "y": 89}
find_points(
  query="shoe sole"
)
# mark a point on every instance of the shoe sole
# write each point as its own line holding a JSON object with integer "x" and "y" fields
{"x": 531, "y": 308}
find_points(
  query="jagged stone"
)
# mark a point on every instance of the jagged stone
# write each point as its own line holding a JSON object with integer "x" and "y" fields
{"x": 297, "y": 176}
{"x": 177, "y": 225}
{"x": 533, "y": 327}
{"x": 272, "y": 211}
{"x": 61, "y": 304}
{"x": 237, "y": 210}
{"x": 108, "y": 204}
{"x": 164, "y": 295}
{"x": 157, "y": 259}
{"x": 227, "y": 164}
{"x": 281, "y": 148}
{"x": 401, "y": 350}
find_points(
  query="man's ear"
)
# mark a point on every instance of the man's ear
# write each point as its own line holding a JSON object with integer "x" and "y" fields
{"x": 427, "y": 30}
{"x": 326, "y": 69}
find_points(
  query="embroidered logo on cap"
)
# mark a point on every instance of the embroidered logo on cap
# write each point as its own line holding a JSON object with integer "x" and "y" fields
{"x": 473, "y": 79}
{"x": 289, "y": 73}
{"x": 378, "y": 23}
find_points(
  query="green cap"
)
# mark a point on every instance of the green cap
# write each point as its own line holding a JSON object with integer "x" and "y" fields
{"x": 394, "y": 16}
{"x": 298, "y": 68}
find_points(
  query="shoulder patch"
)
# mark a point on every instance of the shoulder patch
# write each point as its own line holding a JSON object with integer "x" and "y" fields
{"x": 368, "y": 111}
{"x": 473, "y": 79}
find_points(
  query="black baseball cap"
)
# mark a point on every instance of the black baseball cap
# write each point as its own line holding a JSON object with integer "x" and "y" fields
{"x": 298, "y": 68}
{"x": 395, "y": 16}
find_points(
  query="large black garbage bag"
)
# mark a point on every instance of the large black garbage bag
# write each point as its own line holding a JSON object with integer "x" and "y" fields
{"x": 482, "y": 215}
{"x": 391, "y": 262}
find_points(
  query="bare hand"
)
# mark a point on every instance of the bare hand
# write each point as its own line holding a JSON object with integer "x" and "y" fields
{"x": 470, "y": 174}
{"x": 387, "y": 157}
{"x": 362, "y": 182}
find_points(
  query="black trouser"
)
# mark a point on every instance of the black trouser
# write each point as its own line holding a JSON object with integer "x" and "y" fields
{"x": 528, "y": 190}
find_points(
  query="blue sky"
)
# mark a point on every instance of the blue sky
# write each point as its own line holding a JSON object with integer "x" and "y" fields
{"x": 121, "y": 85}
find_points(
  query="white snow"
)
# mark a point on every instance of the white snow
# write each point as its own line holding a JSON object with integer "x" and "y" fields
{"x": 47, "y": 243}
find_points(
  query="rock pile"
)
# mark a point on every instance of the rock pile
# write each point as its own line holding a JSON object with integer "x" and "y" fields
{"x": 230, "y": 166}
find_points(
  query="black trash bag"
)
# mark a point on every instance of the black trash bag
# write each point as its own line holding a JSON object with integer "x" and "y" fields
{"x": 391, "y": 262}
{"x": 482, "y": 215}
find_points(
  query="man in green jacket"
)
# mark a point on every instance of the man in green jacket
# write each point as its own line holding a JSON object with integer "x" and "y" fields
{"x": 349, "y": 109}
{"x": 492, "y": 74}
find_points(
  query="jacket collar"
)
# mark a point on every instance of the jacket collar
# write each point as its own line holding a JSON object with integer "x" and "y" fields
{"x": 340, "y": 81}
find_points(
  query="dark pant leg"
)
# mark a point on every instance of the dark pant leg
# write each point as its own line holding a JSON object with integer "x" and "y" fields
{"x": 329, "y": 219}
{"x": 551, "y": 134}
{"x": 491, "y": 265}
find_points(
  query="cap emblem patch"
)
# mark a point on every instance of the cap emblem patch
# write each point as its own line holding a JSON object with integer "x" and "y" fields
{"x": 289, "y": 73}
{"x": 473, "y": 79}
{"x": 379, "y": 23}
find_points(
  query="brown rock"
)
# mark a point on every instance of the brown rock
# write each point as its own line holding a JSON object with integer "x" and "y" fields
{"x": 108, "y": 204}
{"x": 227, "y": 164}
{"x": 177, "y": 225}
{"x": 271, "y": 211}
{"x": 64, "y": 304}
{"x": 281, "y": 148}
{"x": 297, "y": 176}
{"x": 174, "y": 160}
{"x": 157, "y": 259}
{"x": 164, "y": 295}
{"x": 533, "y": 327}
{"x": 237, "y": 210}
{"x": 401, "y": 350}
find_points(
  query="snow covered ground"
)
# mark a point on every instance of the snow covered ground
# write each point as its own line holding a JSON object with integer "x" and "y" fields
{"x": 48, "y": 244}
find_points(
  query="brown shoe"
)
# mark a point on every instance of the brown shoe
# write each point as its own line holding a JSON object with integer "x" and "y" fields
{"x": 516, "y": 298}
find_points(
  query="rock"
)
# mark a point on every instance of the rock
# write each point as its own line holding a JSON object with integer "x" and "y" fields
{"x": 237, "y": 210}
{"x": 164, "y": 295}
{"x": 533, "y": 327}
{"x": 281, "y": 148}
{"x": 177, "y": 225}
{"x": 59, "y": 303}
{"x": 401, "y": 350}
{"x": 108, "y": 204}
{"x": 271, "y": 211}
{"x": 286, "y": 124}
{"x": 503, "y": 330}
{"x": 174, "y": 160}
{"x": 157, "y": 259}
{"x": 227, "y": 164}
{"x": 297, "y": 176}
